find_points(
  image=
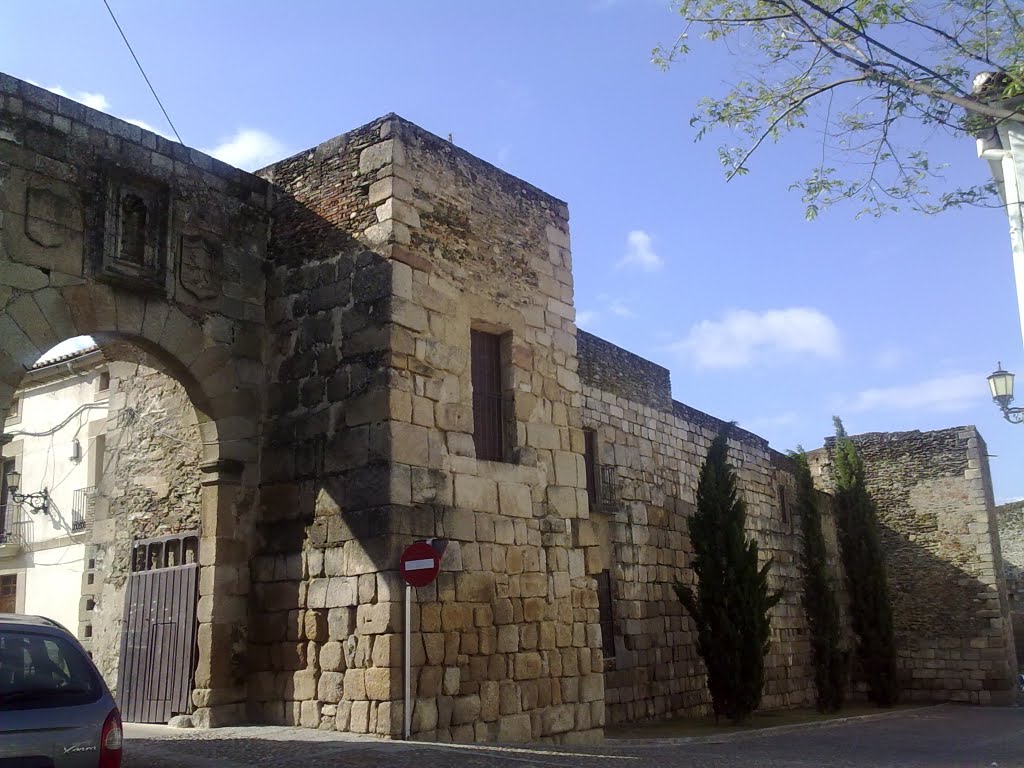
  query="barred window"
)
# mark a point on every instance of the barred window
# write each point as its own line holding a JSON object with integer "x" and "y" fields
{"x": 489, "y": 402}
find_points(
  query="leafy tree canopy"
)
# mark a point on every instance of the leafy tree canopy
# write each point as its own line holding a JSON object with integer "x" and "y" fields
{"x": 862, "y": 74}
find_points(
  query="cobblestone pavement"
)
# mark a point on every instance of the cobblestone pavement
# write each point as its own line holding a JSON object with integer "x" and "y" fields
{"x": 936, "y": 737}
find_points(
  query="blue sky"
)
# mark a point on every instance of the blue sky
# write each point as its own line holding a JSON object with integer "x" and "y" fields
{"x": 761, "y": 317}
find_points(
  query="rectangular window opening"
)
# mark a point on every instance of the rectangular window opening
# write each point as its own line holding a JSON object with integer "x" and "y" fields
{"x": 783, "y": 505}
{"x": 605, "y": 613}
{"x": 6, "y": 506}
{"x": 491, "y": 402}
{"x": 590, "y": 459}
{"x": 103, "y": 383}
{"x": 9, "y": 593}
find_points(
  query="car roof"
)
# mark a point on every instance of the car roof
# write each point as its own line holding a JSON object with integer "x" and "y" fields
{"x": 21, "y": 621}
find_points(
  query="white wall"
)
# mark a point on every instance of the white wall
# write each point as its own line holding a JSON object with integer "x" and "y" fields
{"x": 53, "y": 584}
{"x": 46, "y": 461}
{"x": 50, "y": 567}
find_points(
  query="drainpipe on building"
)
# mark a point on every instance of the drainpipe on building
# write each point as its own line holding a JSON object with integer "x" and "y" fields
{"x": 1003, "y": 149}
{"x": 1007, "y": 167}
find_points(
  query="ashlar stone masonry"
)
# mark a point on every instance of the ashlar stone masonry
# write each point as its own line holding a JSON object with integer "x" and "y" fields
{"x": 325, "y": 318}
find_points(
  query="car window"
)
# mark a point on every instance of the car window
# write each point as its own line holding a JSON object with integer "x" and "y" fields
{"x": 39, "y": 671}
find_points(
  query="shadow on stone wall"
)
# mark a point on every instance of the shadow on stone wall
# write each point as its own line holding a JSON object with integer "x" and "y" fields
{"x": 950, "y": 635}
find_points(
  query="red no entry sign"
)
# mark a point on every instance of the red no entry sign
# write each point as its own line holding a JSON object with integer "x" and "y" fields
{"x": 419, "y": 564}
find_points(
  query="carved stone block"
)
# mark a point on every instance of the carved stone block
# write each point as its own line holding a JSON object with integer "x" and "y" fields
{"x": 42, "y": 221}
{"x": 200, "y": 265}
{"x": 135, "y": 216}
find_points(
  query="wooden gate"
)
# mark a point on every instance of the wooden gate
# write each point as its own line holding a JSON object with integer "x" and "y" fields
{"x": 158, "y": 639}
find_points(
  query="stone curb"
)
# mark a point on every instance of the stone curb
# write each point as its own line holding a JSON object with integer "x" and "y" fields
{"x": 763, "y": 732}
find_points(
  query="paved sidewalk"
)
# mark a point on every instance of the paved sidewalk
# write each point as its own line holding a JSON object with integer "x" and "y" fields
{"x": 938, "y": 737}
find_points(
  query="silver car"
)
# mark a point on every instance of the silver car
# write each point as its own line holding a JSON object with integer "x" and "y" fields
{"x": 55, "y": 709}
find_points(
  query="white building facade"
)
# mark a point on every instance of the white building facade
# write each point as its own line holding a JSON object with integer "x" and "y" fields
{"x": 55, "y": 458}
{"x": 1003, "y": 150}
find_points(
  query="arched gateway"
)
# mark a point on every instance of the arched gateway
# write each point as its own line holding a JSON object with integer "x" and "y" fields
{"x": 109, "y": 231}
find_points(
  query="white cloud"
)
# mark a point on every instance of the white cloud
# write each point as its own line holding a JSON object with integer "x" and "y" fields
{"x": 954, "y": 392}
{"x": 606, "y": 305}
{"x": 640, "y": 252}
{"x": 248, "y": 149}
{"x": 94, "y": 100}
{"x": 619, "y": 309}
{"x": 100, "y": 102}
{"x": 889, "y": 357}
{"x": 744, "y": 338}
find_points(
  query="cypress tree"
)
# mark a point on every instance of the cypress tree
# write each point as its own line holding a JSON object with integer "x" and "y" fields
{"x": 870, "y": 610}
{"x": 820, "y": 603}
{"x": 731, "y": 602}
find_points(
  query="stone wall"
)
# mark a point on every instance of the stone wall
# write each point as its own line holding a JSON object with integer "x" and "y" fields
{"x": 652, "y": 459}
{"x": 938, "y": 530}
{"x": 518, "y": 608}
{"x": 114, "y": 232}
{"x": 322, "y": 613}
{"x": 618, "y": 371}
{"x": 1010, "y": 518}
{"x": 389, "y": 246}
{"x": 148, "y": 485}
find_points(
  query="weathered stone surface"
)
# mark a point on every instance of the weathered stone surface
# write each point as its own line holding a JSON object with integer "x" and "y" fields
{"x": 330, "y": 369}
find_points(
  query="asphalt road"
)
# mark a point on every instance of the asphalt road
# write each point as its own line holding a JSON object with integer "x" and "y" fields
{"x": 935, "y": 737}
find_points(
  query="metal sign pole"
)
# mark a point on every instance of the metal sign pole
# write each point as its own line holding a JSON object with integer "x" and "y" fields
{"x": 408, "y": 662}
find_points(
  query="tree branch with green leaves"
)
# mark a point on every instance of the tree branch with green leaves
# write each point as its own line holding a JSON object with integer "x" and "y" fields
{"x": 866, "y": 76}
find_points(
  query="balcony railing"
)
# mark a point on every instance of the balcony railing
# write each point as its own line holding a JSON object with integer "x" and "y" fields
{"x": 82, "y": 505}
{"x": 16, "y": 530}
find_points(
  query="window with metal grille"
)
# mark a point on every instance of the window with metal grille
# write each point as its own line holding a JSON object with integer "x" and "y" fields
{"x": 607, "y": 617}
{"x": 490, "y": 405}
{"x": 82, "y": 504}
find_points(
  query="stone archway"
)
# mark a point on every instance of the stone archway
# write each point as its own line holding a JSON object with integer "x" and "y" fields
{"x": 112, "y": 232}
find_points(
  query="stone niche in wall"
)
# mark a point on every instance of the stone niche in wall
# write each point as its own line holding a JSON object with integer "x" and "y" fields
{"x": 133, "y": 215}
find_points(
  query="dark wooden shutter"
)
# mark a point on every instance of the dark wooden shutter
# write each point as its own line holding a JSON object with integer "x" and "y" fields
{"x": 5, "y": 468}
{"x": 9, "y": 593}
{"x": 488, "y": 402}
{"x": 590, "y": 459}
{"x": 605, "y": 614}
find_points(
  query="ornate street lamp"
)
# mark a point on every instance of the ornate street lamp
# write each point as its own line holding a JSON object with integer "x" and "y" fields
{"x": 37, "y": 502}
{"x": 1000, "y": 383}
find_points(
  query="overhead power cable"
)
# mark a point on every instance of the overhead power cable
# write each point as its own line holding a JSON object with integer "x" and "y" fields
{"x": 139, "y": 65}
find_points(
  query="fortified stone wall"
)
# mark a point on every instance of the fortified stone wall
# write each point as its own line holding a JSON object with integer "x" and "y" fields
{"x": 651, "y": 455}
{"x": 322, "y": 613}
{"x": 938, "y": 530}
{"x": 519, "y": 614}
{"x": 114, "y": 232}
{"x": 1010, "y": 518}
{"x": 389, "y": 246}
